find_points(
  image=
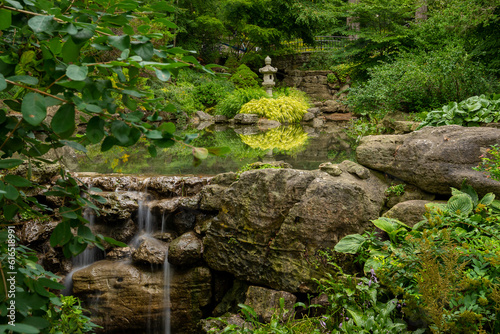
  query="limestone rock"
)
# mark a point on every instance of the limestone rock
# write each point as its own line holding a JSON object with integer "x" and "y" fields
{"x": 266, "y": 124}
{"x": 185, "y": 250}
{"x": 433, "y": 159}
{"x": 410, "y": 193}
{"x": 308, "y": 117}
{"x": 246, "y": 118}
{"x": 211, "y": 325}
{"x": 220, "y": 119}
{"x": 270, "y": 220}
{"x": 409, "y": 212}
{"x": 266, "y": 302}
{"x": 35, "y": 231}
{"x": 318, "y": 122}
{"x": 119, "y": 253}
{"x": 355, "y": 169}
{"x": 334, "y": 106}
{"x": 332, "y": 169}
{"x": 203, "y": 116}
{"x": 124, "y": 298}
{"x": 151, "y": 251}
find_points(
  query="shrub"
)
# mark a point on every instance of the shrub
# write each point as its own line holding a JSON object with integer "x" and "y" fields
{"x": 290, "y": 138}
{"x": 233, "y": 102}
{"x": 470, "y": 112}
{"x": 490, "y": 163}
{"x": 244, "y": 77}
{"x": 422, "y": 81}
{"x": 281, "y": 109}
{"x": 212, "y": 92}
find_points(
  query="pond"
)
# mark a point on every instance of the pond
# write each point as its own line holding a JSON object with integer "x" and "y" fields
{"x": 303, "y": 147}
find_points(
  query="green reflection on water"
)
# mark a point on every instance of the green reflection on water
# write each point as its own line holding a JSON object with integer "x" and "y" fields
{"x": 291, "y": 144}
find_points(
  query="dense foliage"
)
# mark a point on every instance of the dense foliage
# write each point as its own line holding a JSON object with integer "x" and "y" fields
{"x": 286, "y": 109}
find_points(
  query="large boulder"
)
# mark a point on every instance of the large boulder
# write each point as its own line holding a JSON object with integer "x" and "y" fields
{"x": 126, "y": 299}
{"x": 433, "y": 159}
{"x": 272, "y": 222}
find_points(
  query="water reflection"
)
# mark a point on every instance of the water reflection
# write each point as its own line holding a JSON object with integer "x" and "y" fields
{"x": 302, "y": 147}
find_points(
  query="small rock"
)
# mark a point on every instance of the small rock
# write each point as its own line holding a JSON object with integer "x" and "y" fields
{"x": 356, "y": 169}
{"x": 332, "y": 169}
{"x": 317, "y": 123}
{"x": 185, "y": 250}
{"x": 246, "y": 118}
{"x": 266, "y": 124}
{"x": 266, "y": 302}
{"x": 150, "y": 251}
{"x": 203, "y": 116}
{"x": 315, "y": 111}
{"x": 119, "y": 253}
{"x": 220, "y": 119}
{"x": 308, "y": 117}
{"x": 204, "y": 125}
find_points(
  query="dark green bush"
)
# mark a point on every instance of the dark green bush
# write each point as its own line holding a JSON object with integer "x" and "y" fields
{"x": 421, "y": 81}
{"x": 244, "y": 77}
{"x": 212, "y": 92}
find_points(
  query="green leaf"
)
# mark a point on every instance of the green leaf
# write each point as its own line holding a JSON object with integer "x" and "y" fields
{"x": 77, "y": 73}
{"x": 17, "y": 181}
{"x": 10, "y": 163}
{"x": 218, "y": 151}
{"x": 19, "y": 328}
{"x": 461, "y": 203}
{"x": 144, "y": 50}
{"x": 119, "y": 42}
{"x": 152, "y": 151}
{"x": 55, "y": 46}
{"x": 41, "y": 23}
{"x": 76, "y": 247}
{"x": 75, "y": 145}
{"x": 24, "y": 79}
{"x": 163, "y": 75}
{"x": 11, "y": 192}
{"x": 67, "y": 213}
{"x": 37, "y": 322}
{"x": 63, "y": 122}
{"x": 108, "y": 143}
{"x": 200, "y": 153}
{"x": 350, "y": 244}
{"x": 388, "y": 225}
{"x": 50, "y": 283}
{"x": 5, "y": 19}
{"x": 71, "y": 51}
{"x": 61, "y": 234}
{"x": 115, "y": 242}
{"x": 10, "y": 211}
{"x": 121, "y": 131}
{"x": 168, "y": 127}
{"x": 95, "y": 129}
{"x": 3, "y": 83}
{"x": 33, "y": 108}
{"x": 487, "y": 199}
{"x": 85, "y": 232}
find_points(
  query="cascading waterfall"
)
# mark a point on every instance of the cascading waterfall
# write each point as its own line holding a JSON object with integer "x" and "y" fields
{"x": 167, "y": 276}
{"x": 84, "y": 259}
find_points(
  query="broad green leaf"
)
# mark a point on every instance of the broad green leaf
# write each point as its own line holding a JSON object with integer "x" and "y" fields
{"x": 154, "y": 134}
{"x": 75, "y": 145}
{"x": 76, "y": 247}
{"x": 487, "y": 199}
{"x": 115, "y": 242}
{"x": 33, "y": 108}
{"x": 63, "y": 122}
{"x": 11, "y": 192}
{"x": 50, "y": 283}
{"x": 17, "y": 181}
{"x": 168, "y": 127}
{"x": 9, "y": 211}
{"x": 461, "y": 203}
{"x": 5, "y": 19}
{"x": 19, "y": 328}
{"x": 10, "y": 163}
{"x": 24, "y": 79}
{"x": 162, "y": 7}
{"x": 152, "y": 151}
{"x": 71, "y": 51}
{"x": 67, "y": 213}
{"x": 37, "y": 322}
{"x": 55, "y": 46}
{"x": 95, "y": 129}
{"x": 77, "y": 73}
{"x": 83, "y": 34}
{"x": 164, "y": 143}
{"x": 350, "y": 244}
{"x": 218, "y": 151}
{"x": 162, "y": 75}
{"x": 386, "y": 224}
{"x": 121, "y": 131}
{"x": 119, "y": 42}
{"x": 108, "y": 143}
{"x": 200, "y": 153}
{"x": 61, "y": 234}
{"x": 41, "y": 23}
{"x": 144, "y": 50}
{"x": 14, "y": 4}
{"x": 86, "y": 232}
{"x": 3, "y": 83}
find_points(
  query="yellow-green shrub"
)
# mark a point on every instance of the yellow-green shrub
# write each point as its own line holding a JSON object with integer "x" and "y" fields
{"x": 283, "y": 109}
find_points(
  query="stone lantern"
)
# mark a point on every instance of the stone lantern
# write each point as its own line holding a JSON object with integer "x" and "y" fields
{"x": 268, "y": 72}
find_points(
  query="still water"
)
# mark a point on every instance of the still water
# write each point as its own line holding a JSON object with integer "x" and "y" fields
{"x": 301, "y": 146}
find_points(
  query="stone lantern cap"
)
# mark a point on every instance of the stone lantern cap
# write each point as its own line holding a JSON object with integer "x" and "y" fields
{"x": 268, "y": 69}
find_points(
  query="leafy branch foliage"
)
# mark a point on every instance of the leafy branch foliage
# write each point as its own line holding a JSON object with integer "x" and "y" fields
{"x": 70, "y": 75}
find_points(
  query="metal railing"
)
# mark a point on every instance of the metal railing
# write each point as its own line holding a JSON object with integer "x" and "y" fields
{"x": 322, "y": 43}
